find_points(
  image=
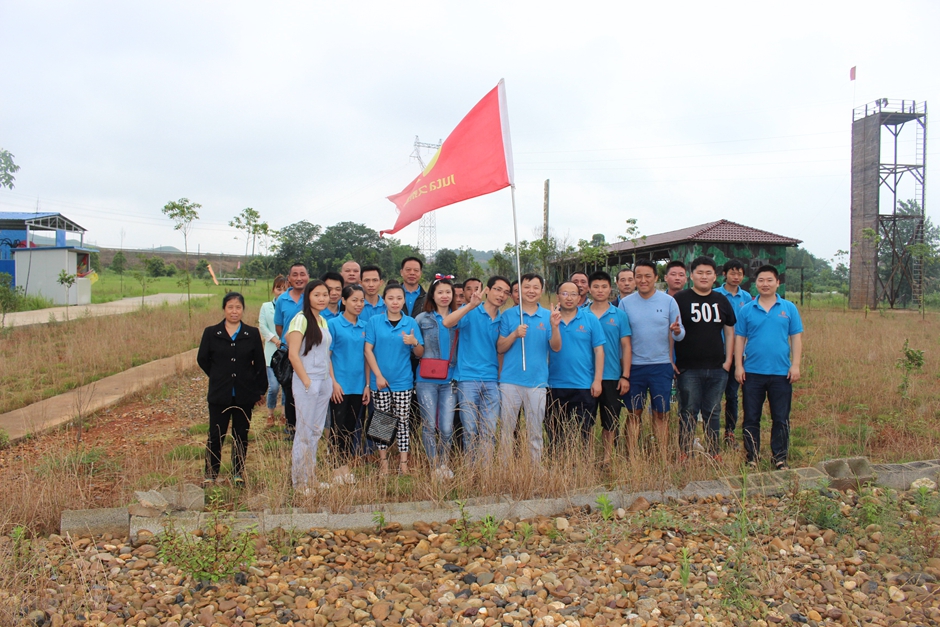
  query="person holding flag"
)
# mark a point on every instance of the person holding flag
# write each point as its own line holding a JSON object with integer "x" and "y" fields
{"x": 526, "y": 386}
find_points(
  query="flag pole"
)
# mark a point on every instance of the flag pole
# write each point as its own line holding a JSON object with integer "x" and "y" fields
{"x": 515, "y": 232}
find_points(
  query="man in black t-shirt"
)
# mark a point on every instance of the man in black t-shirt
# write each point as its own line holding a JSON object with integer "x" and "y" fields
{"x": 702, "y": 359}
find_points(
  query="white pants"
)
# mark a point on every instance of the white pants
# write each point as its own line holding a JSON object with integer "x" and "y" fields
{"x": 312, "y": 406}
{"x": 511, "y": 398}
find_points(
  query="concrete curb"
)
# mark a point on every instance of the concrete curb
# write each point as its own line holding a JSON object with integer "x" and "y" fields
{"x": 94, "y": 397}
{"x": 118, "y": 522}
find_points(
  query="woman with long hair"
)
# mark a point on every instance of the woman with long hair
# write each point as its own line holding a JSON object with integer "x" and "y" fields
{"x": 231, "y": 354}
{"x": 436, "y": 396}
{"x": 272, "y": 342}
{"x": 349, "y": 366}
{"x": 308, "y": 346}
{"x": 391, "y": 338}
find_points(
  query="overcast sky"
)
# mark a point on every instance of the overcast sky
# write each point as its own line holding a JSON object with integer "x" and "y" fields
{"x": 672, "y": 113}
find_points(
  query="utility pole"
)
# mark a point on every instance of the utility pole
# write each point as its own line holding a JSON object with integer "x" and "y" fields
{"x": 427, "y": 227}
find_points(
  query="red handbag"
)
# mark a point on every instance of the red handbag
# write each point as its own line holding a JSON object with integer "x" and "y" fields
{"x": 437, "y": 368}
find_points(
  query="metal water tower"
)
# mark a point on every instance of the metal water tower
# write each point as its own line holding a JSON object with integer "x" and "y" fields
{"x": 880, "y": 261}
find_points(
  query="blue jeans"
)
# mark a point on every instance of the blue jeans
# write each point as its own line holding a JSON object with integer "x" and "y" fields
{"x": 273, "y": 388}
{"x": 731, "y": 402}
{"x": 479, "y": 411}
{"x": 700, "y": 390}
{"x": 778, "y": 391}
{"x": 436, "y": 402}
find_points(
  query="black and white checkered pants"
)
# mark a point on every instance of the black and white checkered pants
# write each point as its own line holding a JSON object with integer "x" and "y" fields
{"x": 398, "y": 404}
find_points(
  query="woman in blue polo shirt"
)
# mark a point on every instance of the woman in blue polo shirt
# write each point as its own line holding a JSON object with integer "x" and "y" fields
{"x": 349, "y": 367}
{"x": 390, "y": 339}
{"x": 435, "y": 396}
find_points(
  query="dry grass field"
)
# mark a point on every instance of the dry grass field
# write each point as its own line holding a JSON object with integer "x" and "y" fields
{"x": 848, "y": 403}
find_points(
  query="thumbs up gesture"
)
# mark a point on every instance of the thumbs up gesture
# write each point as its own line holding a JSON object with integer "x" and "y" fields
{"x": 409, "y": 338}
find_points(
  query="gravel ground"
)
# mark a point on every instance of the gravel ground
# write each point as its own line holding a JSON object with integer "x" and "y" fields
{"x": 701, "y": 562}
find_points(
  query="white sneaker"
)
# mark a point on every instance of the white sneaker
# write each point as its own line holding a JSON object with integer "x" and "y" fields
{"x": 348, "y": 478}
{"x": 443, "y": 473}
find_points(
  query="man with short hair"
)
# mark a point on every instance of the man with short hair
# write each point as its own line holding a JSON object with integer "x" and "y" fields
{"x": 580, "y": 279}
{"x": 654, "y": 320}
{"x": 676, "y": 277}
{"x": 526, "y": 388}
{"x": 738, "y": 297}
{"x": 626, "y": 285}
{"x": 411, "y": 268}
{"x": 617, "y": 354}
{"x": 371, "y": 281}
{"x": 350, "y": 272}
{"x": 288, "y": 305}
{"x": 477, "y": 370}
{"x": 334, "y": 283}
{"x": 458, "y": 295}
{"x": 768, "y": 349}
{"x": 704, "y": 357}
{"x": 514, "y": 292}
{"x": 470, "y": 286}
{"x": 576, "y": 370}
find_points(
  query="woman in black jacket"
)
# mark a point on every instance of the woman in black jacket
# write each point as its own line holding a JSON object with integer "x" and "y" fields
{"x": 232, "y": 355}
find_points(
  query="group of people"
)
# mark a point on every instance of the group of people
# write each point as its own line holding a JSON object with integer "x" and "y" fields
{"x": 454, "y": 348}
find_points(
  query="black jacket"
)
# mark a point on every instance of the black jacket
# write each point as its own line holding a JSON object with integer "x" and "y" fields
{"x": 239, "y": 365}
{"x": 419, "y": 303}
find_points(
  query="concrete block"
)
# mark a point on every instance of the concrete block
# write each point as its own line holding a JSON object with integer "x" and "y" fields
{"x": 90, "y": 522}
{"x": 183, "y": 497}
{"x": 808, "y": 476}
{"x": 297, "y": 520}
{"x": 900, "y": 476}
{"x": 705, "y": 489}
{"x": 532, "y": 508}
{"x": 152, "y": 499}
{"x": 184, "y": 521}
{"x": 849, "y": 473}
{"x": 361, "y": 521}
{"x": 762, "y": 483}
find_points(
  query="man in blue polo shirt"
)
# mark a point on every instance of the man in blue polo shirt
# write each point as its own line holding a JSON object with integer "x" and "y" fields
{"x": 738, "y": 297}
{"x": 371, "y": 281}
{"x": 518, "y": 387}
{"x": 767, "y": 352}
{"x": 574, "y": 372}
{"x": 477, "y": 370}
{"x": 334, "y": 283}
{"x": 288, "y": 305}
{"x": 617, "y": 357}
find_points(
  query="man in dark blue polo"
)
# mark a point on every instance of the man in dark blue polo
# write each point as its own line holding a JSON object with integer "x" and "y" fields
{"x": 575, "y": 372}
{"x": 738, "y": 297}
{"x": 477, "y": 372}
{"x": 767, "y": 352}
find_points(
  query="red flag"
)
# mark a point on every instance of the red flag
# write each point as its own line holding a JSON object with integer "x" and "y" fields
{"x": 475, "y": 159}
{"x": 852, "y": 74}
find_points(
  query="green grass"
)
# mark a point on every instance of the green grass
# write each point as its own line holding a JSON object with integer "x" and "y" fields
{"x": 185, "y": 452}
{"x": 108, "y": 288}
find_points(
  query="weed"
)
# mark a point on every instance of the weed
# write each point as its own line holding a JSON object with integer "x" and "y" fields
{"x": 463, "y": 528}
{"x": 488, "y": 528}
{"x": 378, "y": 519}
{"x": 735, "y": 583}
{"x": 217, "y": 553}
{"x": 199, "y": 429}
{"x": 605, "y": 506}
{"x": 553, "y": 533}
{"x": 817, "y": 508}
{"x": 927, "y": 501}
{"x": 524, "y": 530}
{"x": 685, "y": 566}
{"x": 4, "y": 438}
{"x": 870, "y": 510}
{"x": 186, "y": 452}
{"x": 911, "y": 360}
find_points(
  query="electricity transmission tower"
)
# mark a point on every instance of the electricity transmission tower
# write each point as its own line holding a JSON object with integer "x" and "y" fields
{"x": 427, "y": 227}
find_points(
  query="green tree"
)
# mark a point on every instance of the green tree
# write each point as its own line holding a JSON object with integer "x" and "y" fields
{"x": 202, "y": 269}
{"x": 155, "y": 267}
{"x": 908, "y": 251}
{"x": 96, "y": 261}
{"x": 119, "y": 263}
{"x": 9, "y": 298}
{"x": 66, "y": 280}
{"x": 250, "y": 222}
{"x": 7, "y": 169}
{"x": 295, "y": 244}
{"x": 183, "y": 213}
{"x": 444, "y": 262}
